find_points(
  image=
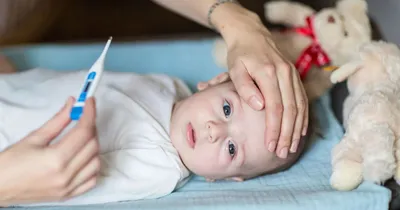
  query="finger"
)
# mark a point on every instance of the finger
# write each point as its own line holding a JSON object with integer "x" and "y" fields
{"x": 202, "y": 85}
{"x": 300, "y": 102}
{"x": 53, "y": 127}
{"x": 267, "y": 81}
{"x": 90, "y": 170}
{"x": 89, "y": 114}
{"x": 245, "y": 86}
{"x": 223, "y": 77}
{"x": 306, "y": 115}
{"x": 289, "y": 109}
{"x": 77, "y": 137}
{"x": 88, "y": 185}
{"x": 83, "y": 157}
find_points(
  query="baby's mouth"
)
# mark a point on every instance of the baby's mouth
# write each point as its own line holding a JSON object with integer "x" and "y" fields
{"x": 190, "y": 136}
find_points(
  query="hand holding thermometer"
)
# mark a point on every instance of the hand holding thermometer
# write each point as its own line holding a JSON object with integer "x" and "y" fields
{"x": 90, "y": 84}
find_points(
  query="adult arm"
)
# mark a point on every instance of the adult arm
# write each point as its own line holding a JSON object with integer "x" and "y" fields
{"x": 261, "y": 75}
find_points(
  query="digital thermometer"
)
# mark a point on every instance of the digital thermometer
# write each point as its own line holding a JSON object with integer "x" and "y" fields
{"x": 91, "y": 81}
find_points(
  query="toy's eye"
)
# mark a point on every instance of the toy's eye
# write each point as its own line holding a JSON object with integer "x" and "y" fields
{"x": 331, "y": 19}
{"x": 345, "y": 33}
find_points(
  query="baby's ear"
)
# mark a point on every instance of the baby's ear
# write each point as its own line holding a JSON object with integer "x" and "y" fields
{"x": 345, "y": 71}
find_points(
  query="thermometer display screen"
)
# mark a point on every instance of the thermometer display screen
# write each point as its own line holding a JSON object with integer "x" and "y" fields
{"x": 87, "y": 86}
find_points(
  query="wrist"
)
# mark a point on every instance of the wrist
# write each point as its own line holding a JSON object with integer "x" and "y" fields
{"x": 232, "y": 20}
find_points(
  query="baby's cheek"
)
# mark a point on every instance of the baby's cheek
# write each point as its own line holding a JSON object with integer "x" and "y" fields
{"x": 209, "y": 162}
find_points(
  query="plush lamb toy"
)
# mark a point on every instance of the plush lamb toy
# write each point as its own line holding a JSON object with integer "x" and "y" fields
{"x": 370, "y": 148}
{"x": 314, "y": 39}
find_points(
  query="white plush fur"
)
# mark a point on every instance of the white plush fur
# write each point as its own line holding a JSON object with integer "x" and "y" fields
{"x": 370, "y": 147}
{"x": 350, "y": 17}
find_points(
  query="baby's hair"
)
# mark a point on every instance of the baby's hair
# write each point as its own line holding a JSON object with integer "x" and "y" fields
{"x": 285, "y": 163}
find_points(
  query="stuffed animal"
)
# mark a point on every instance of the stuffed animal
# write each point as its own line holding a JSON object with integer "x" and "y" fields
{"x": 314, "y": 39}
{"x": 370, "y": 147}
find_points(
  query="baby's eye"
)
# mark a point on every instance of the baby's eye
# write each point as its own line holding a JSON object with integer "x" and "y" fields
{"x": 231, "y": 149}
{"x": 227, "y": 109}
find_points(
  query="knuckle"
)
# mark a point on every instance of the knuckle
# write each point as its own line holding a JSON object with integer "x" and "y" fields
{"x": 291, "y": 109}
{"x": 241, "y": 87}
{"x": 269, "y": 70}
{"x": 57, "y": 164}
{"x": 285, "y": 68}
{"x": 301, "y": 106}
{"x": 277, "y": 108}
{"x": 285, "y": 142}
{"x": 285, "y": 139}
{"x": 61, "y": 182}
{"x": 275, "y": 134}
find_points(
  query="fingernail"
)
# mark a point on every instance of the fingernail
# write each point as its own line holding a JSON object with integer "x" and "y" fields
{"x": 283, "y": 153}
{"x": 256, "y": 102}
{"x": 271, "y": 146}
{"x": 304, "y": 132}
{"x": 293, "y": 148}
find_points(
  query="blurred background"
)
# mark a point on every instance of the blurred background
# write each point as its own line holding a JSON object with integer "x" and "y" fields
{"x": 60, "y": 21}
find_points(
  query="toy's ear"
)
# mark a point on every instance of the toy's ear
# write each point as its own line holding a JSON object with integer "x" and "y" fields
{"x": 354, "y": 6}
{"x": 287, "y": 12}
{"x": 345, "y": 71}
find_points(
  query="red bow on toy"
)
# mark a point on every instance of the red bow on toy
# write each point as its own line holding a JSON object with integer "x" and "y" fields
{"x": 313, "y": 54}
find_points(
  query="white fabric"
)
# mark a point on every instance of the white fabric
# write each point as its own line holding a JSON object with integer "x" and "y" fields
{"x": 133, "y": 116}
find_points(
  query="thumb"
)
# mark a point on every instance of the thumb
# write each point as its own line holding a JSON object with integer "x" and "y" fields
{"x": 246, "y": 87}
{"x": 53, "y": 127}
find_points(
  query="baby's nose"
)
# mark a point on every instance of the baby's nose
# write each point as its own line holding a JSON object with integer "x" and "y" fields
{"x": 216, "y": 131}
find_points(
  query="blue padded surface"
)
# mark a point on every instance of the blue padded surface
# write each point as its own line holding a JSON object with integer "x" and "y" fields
{"x": 304, "y": 186}
{"x": 191, "y": 61}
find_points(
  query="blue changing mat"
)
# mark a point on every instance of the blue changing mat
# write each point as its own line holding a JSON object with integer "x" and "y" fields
{"x": 304, "y": 186}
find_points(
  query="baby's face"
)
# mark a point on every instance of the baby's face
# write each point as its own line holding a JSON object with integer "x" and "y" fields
{"x": 219, "y": 136}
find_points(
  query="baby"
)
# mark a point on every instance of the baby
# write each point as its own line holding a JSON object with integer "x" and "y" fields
{"x": 153, "y": 132}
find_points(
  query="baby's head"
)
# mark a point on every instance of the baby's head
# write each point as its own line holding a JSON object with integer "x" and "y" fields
{"x": 219, "y": 136}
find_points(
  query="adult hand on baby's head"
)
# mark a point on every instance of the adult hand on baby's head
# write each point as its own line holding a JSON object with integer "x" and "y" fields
{"x": 265, "y": 79}
{"x": 33, "y": 170}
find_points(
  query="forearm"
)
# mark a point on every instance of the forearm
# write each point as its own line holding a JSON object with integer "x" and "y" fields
{"x": 228, "y": 18}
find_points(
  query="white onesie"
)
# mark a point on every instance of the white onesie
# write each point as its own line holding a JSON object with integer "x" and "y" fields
{"x": 133, "y": 116}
